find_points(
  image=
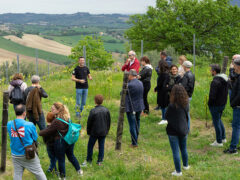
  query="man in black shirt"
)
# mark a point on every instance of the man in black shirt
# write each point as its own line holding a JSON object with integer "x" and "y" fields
{"x": 80, "y": 75}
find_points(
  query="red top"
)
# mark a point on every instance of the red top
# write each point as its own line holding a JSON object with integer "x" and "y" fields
{"x": 135, "y": 65}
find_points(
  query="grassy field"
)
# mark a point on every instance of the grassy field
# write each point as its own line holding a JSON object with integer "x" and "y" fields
{"x": 20, "y": 49}
{"x": 73, "y": 40}
{"x": 153, "y": 158}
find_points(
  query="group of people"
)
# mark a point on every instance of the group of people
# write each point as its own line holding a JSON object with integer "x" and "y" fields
{"x": 23, "y": 135}
{"x": 175, "y": 86}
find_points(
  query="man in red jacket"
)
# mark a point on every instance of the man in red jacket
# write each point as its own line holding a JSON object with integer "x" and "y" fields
{"x": 131, "y": 63}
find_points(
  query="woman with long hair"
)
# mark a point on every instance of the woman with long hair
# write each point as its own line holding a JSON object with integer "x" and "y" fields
{"x": 181, "y": 60}
{"x": 59, "y": 129}
{"x": 177, "y": 128}
{"x": 162, "y": 89}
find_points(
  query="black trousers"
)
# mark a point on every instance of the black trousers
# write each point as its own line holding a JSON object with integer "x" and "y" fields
{"x": 147, "y": 87}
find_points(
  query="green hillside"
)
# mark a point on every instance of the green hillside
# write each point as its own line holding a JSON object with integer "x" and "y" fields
{"x": 110, "y": 43}
{"x": 20, "y": 49}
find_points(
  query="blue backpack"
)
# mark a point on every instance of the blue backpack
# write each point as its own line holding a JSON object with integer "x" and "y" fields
{"x": 73, "y": 132}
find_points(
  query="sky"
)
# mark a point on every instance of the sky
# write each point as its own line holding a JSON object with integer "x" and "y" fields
{"x": 73, "y": 6}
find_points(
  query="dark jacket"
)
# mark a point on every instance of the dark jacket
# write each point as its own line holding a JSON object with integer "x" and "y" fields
{"x": 146, "y": 74}
{"x": 54, "y": 129}
{"x": 99, "y": 121}
{"x": 235, "y": 96}
{"x": 162, "y": 90}
{"x": 48, "y": 140}
{"x": 134, "y": 97}
{"x": 218, "y": 91}
{"x": 232, "y": 77}
{"x": 177, "y": 118}
{"x": 172, "y": 81}
{"x": 188, "y": 82}
{"x": 42, "y": 92}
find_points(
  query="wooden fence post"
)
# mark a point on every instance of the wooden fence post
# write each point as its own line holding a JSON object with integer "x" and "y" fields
{"x": 4, "y": 131}
{"x": 224, "y": 65}
{"x": 121, "y": 112}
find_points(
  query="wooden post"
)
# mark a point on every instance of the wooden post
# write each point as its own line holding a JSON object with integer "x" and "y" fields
{"x": 224, "y": 65}
{"x": 4, "y": 130}
{"x": 121, "y": 112}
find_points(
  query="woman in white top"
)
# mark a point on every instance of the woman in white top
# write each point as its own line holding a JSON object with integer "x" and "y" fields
{"x": 17, "y": 81}
{"x": 181, "y": 60}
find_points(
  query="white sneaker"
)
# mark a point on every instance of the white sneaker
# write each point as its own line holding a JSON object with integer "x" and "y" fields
{"x": 224, "y": 141}
{"x": 175, "y": 173}
{"x": 80, "y": 172}
{"x": 216, "y": 144}
{"x": 162, "y": 122}
{"x": 186, "y": 167}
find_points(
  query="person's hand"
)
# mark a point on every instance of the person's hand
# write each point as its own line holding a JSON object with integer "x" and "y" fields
{"x": 139, "y": 77}
{"x": 90, "y": 78}
{"x": 128, "y": 60}
{"x": 81, "y": 80}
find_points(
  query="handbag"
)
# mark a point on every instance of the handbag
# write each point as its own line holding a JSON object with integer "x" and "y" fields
{"x": 29, "y": 150}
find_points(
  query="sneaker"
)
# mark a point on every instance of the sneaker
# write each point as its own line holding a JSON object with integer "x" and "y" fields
{"x": 133, "y": 146}
{"x": 224, "y": 140}
{"x": 175, "y": 173}
{"x": 216, "y": 144}
{"x": 186, "y": 167}
{"x": 99, "y": 163}
{"x": 230, "y": 151}
{"x": 80, "y": 172}
{"x": 162, "y": 122}
{"x": 84, "y": 164}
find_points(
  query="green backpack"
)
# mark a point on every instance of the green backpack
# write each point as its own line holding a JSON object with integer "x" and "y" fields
{"x": 73, "y": 131}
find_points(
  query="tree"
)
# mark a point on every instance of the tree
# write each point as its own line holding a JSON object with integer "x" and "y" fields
{"x": 215, "y": 23}
{"x": 99, "y": 59}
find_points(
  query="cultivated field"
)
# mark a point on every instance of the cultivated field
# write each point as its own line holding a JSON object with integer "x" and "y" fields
{"x": 35, "y": 41}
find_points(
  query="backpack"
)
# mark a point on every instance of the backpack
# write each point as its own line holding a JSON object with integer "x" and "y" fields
{"x": 16, "y": 95}
{"x": 73, "y": 132}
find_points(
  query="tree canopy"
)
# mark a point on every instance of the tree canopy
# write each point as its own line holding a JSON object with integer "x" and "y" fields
{"x": 99, "y": 59}
{"x": 216, "y": 24}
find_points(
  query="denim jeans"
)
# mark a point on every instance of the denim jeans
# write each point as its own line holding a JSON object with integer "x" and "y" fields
{"x": 41, "y": 122}
{"x": 163, "y": 113}
{"x": 134, "y": 125}
{"x": 189, "y": 118}
{"x": 91, "y": 143}
{"x": 177, "y": 142}
{"x": 216, "y": 112}
{"x": 61, "y": 148}
{"x": 235, "y": 128}
{"x": 81, "y": 97}
{"x": 52, "y": 157}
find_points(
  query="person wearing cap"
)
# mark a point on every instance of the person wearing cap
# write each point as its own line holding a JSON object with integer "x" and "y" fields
{"x": 217, "y": 101}
{"x": 188, "y": 82}
{"x": 235, "y": 104}
{"x": 131, "y": 63}
{"x": 134, "y": 105}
